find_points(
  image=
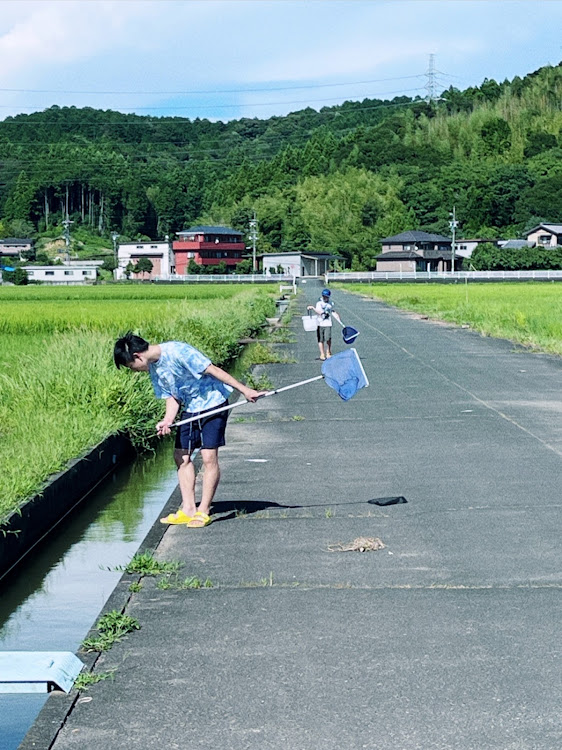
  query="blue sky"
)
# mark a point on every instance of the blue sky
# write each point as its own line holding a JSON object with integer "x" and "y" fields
{"x": 225, "y": 59}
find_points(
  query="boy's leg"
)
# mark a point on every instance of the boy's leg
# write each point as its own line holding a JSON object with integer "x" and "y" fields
{"x": 186, "y": 480}
{"x": 211, "y": 477}
{"x": 329, "y": 346}
{"x": 322, "y": 341}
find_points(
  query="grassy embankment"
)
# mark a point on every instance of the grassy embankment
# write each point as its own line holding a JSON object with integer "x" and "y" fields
{"x": 527, "y": 313}
{"x": 60, "y": 392}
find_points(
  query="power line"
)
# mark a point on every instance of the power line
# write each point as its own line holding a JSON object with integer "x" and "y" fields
{"x": 200, "y": 92}
{"x": 233, "y": 106}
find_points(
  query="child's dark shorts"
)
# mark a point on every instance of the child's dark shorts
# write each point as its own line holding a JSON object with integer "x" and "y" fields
{"x": 324, "y": 333}
{"x": 202, "y": 433}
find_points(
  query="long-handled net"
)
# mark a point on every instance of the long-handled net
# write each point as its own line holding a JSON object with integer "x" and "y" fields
{"x": 349, "y": 333}
{"x": 343, "y": 372}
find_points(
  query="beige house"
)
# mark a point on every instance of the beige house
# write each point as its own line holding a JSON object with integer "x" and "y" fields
{"x": 545, "y": 235}
{"x": 415, "y": 251}
{"x": 12, "y": 247}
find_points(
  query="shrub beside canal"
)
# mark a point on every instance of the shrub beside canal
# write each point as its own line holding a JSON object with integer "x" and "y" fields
{"x": 60, "y": 392}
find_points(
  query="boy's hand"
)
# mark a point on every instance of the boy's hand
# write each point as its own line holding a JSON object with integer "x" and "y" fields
{"x": 252, "y": 395}
{"x": 163, "y": 427}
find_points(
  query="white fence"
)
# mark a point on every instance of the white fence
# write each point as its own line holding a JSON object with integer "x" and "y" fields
{"x": 447, "y": 276}
{"x": 232, "y": 278}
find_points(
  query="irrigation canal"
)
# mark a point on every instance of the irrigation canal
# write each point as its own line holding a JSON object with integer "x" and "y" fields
{"x": 50, "y": 602}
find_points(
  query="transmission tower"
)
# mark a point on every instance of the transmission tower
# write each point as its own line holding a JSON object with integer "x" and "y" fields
{"x": 431, "y": 82}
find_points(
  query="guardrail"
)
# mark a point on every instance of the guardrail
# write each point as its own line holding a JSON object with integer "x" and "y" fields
{"x": 447, "y": 277}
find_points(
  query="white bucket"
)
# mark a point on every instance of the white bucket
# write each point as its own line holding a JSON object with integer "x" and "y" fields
{"x": 309, "y": 322}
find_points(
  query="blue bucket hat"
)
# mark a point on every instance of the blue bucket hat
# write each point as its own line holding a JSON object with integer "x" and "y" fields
{"x": 326, "y": 292}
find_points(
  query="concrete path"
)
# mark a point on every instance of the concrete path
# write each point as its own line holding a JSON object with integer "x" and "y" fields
{"x": 448, "y": 638}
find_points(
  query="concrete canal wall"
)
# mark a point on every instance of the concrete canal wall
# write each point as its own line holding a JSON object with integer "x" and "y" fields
{"x": 61, "y": 493}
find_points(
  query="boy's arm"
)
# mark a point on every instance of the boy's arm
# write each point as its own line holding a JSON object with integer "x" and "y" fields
{"x": 249, "y": 393}
{"x": 336, "y": 316}
{"x": 172, "y": 408}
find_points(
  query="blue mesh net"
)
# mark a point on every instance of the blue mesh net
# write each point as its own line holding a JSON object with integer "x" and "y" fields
{"x": 349, "y": 334}
{"x": 345, "y": 374}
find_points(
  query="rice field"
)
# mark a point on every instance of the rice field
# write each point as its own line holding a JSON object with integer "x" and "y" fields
{"x": 527, "y": 313}
{"x": 60, "y": 392}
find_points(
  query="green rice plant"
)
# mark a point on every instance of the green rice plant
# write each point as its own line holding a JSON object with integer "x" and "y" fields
{"x": 60, "y": 392}
{"x": 529, "y": 313}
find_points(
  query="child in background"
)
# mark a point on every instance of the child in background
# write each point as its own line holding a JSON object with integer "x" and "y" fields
{"x": 324, "y": 310}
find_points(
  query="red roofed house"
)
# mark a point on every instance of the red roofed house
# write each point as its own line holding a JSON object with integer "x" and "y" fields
{"x": 208, "y": 246}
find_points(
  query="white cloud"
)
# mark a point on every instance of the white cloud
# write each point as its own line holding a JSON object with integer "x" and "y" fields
{"x": 189, "y": 45}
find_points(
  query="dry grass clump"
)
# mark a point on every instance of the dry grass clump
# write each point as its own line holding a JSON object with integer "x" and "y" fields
{"x": 361, "y": 544}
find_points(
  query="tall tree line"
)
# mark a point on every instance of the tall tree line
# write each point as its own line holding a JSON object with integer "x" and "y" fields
{"x": 338, "y": 179}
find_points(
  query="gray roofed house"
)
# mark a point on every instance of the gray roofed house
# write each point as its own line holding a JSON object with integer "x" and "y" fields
{"x": 515, "y": 244}
{"x": 13, "y": 246}
{"x": 415, "y": 236}
{"x": 545, "y": 235}
{"x": 415, "y": 250}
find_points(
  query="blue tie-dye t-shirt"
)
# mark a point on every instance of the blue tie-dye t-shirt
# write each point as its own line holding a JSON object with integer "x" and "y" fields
{"x": 180, "y": 373}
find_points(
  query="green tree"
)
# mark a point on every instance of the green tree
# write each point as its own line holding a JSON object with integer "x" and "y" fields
{"x": 18, "y": 276}
{"x": 21, "y": 200}
{"x": 496, "y": 136}
{"x": 144, "y": 265}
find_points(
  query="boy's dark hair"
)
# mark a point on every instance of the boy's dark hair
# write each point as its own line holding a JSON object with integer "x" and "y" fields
{"x": 126, "y": 347}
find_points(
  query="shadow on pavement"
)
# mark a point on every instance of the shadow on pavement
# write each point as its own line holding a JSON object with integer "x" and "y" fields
{"x": 225, "y": 510}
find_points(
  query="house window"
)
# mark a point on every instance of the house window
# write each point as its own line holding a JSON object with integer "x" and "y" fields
{"x": 69, "y": 273}
{"x": 49, "y": 273}
{"x": 544, "y": 239}
{"x": 140, "y": 247}
{"x": 154, "y": 247}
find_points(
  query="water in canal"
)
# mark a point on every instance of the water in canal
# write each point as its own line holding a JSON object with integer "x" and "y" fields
{"x": 50, "y": 602}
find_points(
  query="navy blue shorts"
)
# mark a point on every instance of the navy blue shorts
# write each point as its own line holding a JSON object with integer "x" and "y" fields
{"x": 202, "y": 433}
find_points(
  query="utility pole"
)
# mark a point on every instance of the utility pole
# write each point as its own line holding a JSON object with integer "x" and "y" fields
{"x": 453, "y": 224}
{"x": 254, "y": 237}
{"x": 115, "y": 237}
{"x": 66, "y": 224}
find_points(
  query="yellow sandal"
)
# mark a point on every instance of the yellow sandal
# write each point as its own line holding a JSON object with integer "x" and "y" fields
{"x": 199, "y": 520}
{"x": 177, "y": 518}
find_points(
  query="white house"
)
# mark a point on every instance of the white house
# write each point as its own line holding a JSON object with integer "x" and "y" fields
{"x": 465, "y": 248}
{"x": 62, "y": 274}
{"x": 158, "y": 252}
{"x": 298, "y": 264}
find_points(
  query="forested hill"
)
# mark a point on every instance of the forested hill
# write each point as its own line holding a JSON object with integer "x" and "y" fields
{"x": 337, "y": 179}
